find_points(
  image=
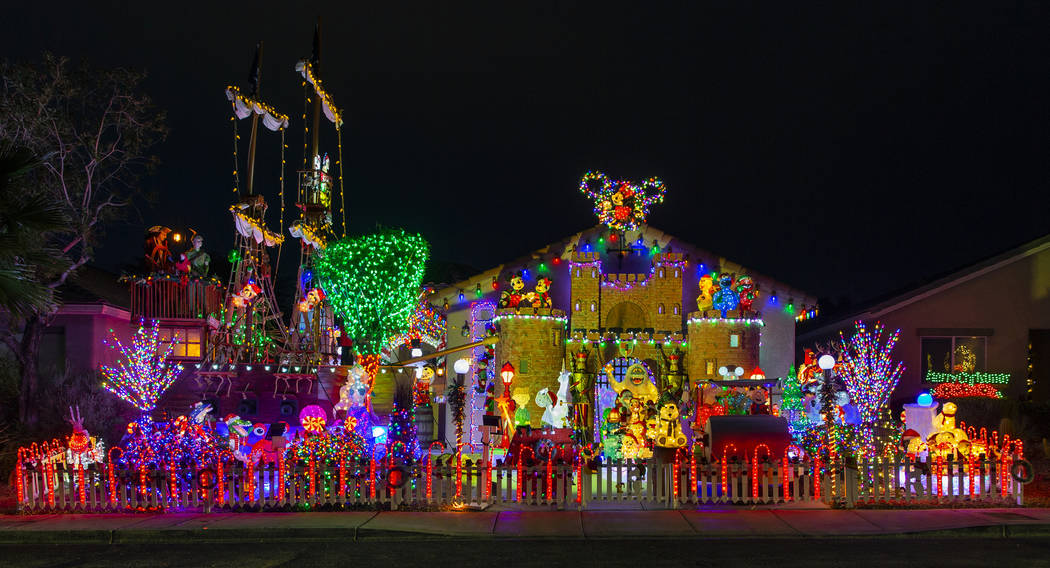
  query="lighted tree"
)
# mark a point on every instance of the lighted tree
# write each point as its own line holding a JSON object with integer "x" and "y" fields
{"x": 373, "y": 283}
{"x": 868, "y": 371}
{"x": 791, "y": 405}
{"x": 143, "y": 373}
{"x": 402, "y": 438}
{"x": 870, "y": 376}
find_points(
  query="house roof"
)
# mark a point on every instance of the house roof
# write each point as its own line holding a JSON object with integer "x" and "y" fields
{"x": 939, "y": 284}
{"x": 94, "y": 285}
{"x": 563, "y": 249}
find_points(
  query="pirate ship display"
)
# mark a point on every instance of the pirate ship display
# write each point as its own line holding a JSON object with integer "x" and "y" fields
{"x": 243, "y": 357}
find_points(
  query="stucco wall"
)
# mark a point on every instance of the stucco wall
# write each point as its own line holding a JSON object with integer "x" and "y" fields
{"x": 1009, "y": 300}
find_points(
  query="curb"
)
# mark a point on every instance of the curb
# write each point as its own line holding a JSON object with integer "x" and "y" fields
{"x": 131, "y": 536}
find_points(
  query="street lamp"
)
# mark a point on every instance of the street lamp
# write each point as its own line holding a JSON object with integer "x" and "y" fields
{"x": 461, "y": 366}
{"x": 827, "y": 362}
{"x": 507, "y": 374}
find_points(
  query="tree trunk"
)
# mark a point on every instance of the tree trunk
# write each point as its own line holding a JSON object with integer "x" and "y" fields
{"x": 29, "y": 357}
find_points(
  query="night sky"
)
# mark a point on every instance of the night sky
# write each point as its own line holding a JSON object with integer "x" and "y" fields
{"x": 846, "y": 150}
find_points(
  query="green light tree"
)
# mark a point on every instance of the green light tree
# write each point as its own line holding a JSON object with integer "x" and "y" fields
{"x": 373, "y": 283}
{"x": 791, "y": 405}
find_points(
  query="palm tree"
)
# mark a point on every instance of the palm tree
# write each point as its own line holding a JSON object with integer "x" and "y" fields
{"x": 24, "y": 217}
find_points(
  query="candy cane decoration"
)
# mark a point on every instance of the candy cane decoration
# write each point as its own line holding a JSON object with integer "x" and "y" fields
{"x": 173, "y": 488}
{"x": 142, "y": 481}
{"x": 971, "y": 467}
{"x": 521, "y": 459}
{"x": 725, "y": 467}
{"x": 372, "y": 469}
{"x": 220, "y": 495}
{"x": 430, "y": 467}
{"x": 550, "y": 474}
{"x": 754, "y": 470}
{"x": 280, "y": 478}
{"x": 938, "y": 472}
{"x": 676, "y": 476}
{"x": 20, "y": 473}
{"x": 579, "y": 479}
{"x": 817, "y": 467}
{"x": 784, "y": 477}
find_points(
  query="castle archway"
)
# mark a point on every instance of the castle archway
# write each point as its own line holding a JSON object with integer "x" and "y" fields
{"x": 626, "y": 315}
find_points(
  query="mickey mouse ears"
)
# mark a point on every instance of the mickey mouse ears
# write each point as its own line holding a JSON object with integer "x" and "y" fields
{"x": 619, "y": 204}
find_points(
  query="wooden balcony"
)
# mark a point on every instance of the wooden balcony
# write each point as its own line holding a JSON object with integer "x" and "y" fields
{"x": 174, "y": 300}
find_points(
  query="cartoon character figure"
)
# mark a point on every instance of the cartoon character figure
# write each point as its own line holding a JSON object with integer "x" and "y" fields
{"x": 541, "y": 297}
{"x": 746, "y": 292}
{"x": 759, "y": 398}
{"x": 248, "y": 293}
{"x": 314, "y": 297}
{"x": 636, "y": 380}
{"x": 947, "y": 439}
{"x": 200, "y": 412}
{"x": 512, "y": 298}
{"x": 522, "y": 416}
{"x": 354, "y": 392}
{"x": 705, "y": 299}
{"x": 622, "y": 202}
{"x": 200, "y": 261}
{"x": 158, "y": 256}
{"x": 725, "y": 299}
{"x": 665, "y": 430}
{"x": 635, "y": 444}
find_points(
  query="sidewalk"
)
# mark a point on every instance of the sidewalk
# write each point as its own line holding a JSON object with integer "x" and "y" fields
{"x": 705, "y": 523}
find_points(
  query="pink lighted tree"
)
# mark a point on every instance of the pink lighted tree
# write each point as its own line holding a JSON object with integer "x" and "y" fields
{"x": 143, "y": 373}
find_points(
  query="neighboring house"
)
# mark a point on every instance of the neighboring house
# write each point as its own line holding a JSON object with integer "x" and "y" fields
{"x": 985, "y": 323}
{"x": 93, "y": 307}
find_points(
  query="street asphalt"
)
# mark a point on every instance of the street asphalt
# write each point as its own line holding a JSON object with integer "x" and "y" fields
{"x": 468, "y": 553}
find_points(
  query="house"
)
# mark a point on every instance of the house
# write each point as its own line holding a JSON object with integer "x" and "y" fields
{"x": 980, "y": 331}
{"x": 617, "y": 298}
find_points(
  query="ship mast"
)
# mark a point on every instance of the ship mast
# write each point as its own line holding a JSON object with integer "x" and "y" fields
{"x": 311, "y": 329}
{"x": 249, "y": 328}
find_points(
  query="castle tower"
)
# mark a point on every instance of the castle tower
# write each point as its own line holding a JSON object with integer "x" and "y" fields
{"x": 665, "y": 292}
{"x": 585, "y": 273}
{"x": 714, "y": 342}
{"x": 535, "y": 345}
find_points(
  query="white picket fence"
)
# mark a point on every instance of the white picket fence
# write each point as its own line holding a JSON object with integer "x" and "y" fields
{"x": 101, "y": 488}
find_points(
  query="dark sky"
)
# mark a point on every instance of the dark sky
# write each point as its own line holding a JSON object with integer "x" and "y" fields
{"x": 846, "y": 150}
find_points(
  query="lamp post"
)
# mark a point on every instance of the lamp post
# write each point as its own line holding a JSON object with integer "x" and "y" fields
{"x": 827, "y": 362}
{"x": 457, "y": 400}
{"x": 507, "y": 374}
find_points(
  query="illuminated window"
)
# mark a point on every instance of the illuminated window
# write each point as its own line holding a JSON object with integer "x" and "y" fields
{"x": 709, "y": 367}
{"x": 189, "y": 345}
{"x": 953, "y": 354}
{"x": 594, "y": 307}
{"x": 677, "y": 309}
{"x": 594, "y": 273}
{"x": 734, "y": 340}
{"x": 577, "y": 306}
{"x": 663, "y": 272}
{"x": 677, "y": 273}
{"x": 659, "y": 308}
{"x": 577, "y": 272}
